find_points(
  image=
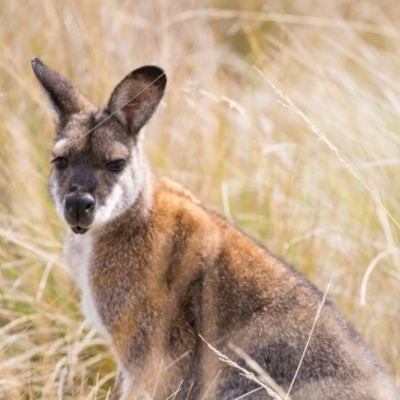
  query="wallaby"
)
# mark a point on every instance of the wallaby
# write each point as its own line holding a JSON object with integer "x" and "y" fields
{"x": 158, "y": 271}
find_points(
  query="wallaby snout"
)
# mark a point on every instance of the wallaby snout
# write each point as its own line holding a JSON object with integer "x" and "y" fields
{"x": 79, "y": 212}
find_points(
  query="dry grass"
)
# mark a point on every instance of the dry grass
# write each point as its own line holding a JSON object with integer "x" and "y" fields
{"x": 223, "y": 132}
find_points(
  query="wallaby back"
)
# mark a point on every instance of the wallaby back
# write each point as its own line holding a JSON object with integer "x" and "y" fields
{"x": 158, "y": 271}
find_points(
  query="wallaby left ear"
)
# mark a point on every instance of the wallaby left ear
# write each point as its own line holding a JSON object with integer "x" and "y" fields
{"x": 64, "y": 97}
{"x": 137, "y": 96}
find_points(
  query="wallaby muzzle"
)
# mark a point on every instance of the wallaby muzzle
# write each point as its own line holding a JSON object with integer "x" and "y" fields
{"x": 79, "y": 212}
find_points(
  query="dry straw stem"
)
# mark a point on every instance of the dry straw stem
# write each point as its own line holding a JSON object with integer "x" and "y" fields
{"x": 173, "y": 395}
{"x": 26, "y": 243}
{"x": 249, "y": 375}
{"x": 264, "y": 376}
{"x": 94, "y": 392}
{"x": 321, "y": 136}
{"x": 375, "y": 261}
{"x": 321, "y": 304}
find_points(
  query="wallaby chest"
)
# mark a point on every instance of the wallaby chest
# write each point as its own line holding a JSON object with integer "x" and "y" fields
{"x": 78, "y": 254}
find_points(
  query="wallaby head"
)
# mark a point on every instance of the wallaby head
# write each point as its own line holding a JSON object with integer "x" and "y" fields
{"x": 99, "y": 167}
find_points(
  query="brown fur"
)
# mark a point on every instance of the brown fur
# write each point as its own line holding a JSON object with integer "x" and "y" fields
{"x": 167, "y": 270}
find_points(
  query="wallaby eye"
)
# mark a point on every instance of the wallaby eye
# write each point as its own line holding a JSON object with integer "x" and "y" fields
{"x": 116, "y": 166}
{"x": 60, "y": 162}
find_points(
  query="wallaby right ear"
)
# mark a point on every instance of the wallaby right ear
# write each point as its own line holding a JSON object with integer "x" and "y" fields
{"x": 64, "y": 97}
{"x": 137, "y": 96}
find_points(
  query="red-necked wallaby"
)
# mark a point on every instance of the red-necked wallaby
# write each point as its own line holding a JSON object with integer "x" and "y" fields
{"x": 158, "y": 270}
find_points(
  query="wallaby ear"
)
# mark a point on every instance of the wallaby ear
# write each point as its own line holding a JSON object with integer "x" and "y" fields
{"x": 137, "y": 96}
{"x": 64, "y": 97}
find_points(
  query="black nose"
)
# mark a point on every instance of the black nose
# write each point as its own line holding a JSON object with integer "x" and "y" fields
{"x": 79, "y": 210}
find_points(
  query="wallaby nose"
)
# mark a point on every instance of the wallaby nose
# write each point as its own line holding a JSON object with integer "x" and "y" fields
{"x": 79, "y": 210}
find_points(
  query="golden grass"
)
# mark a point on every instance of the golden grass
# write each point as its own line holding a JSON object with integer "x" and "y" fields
{"x": 222, "y": 131}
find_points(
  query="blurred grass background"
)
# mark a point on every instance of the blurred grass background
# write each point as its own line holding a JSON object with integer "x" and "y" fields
{"x": 223, "y": 132}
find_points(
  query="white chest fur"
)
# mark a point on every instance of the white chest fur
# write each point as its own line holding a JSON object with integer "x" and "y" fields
{"x": 78, "y": 251}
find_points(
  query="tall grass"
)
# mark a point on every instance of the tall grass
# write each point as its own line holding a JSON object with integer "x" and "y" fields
{"x": 225, "y": 133}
